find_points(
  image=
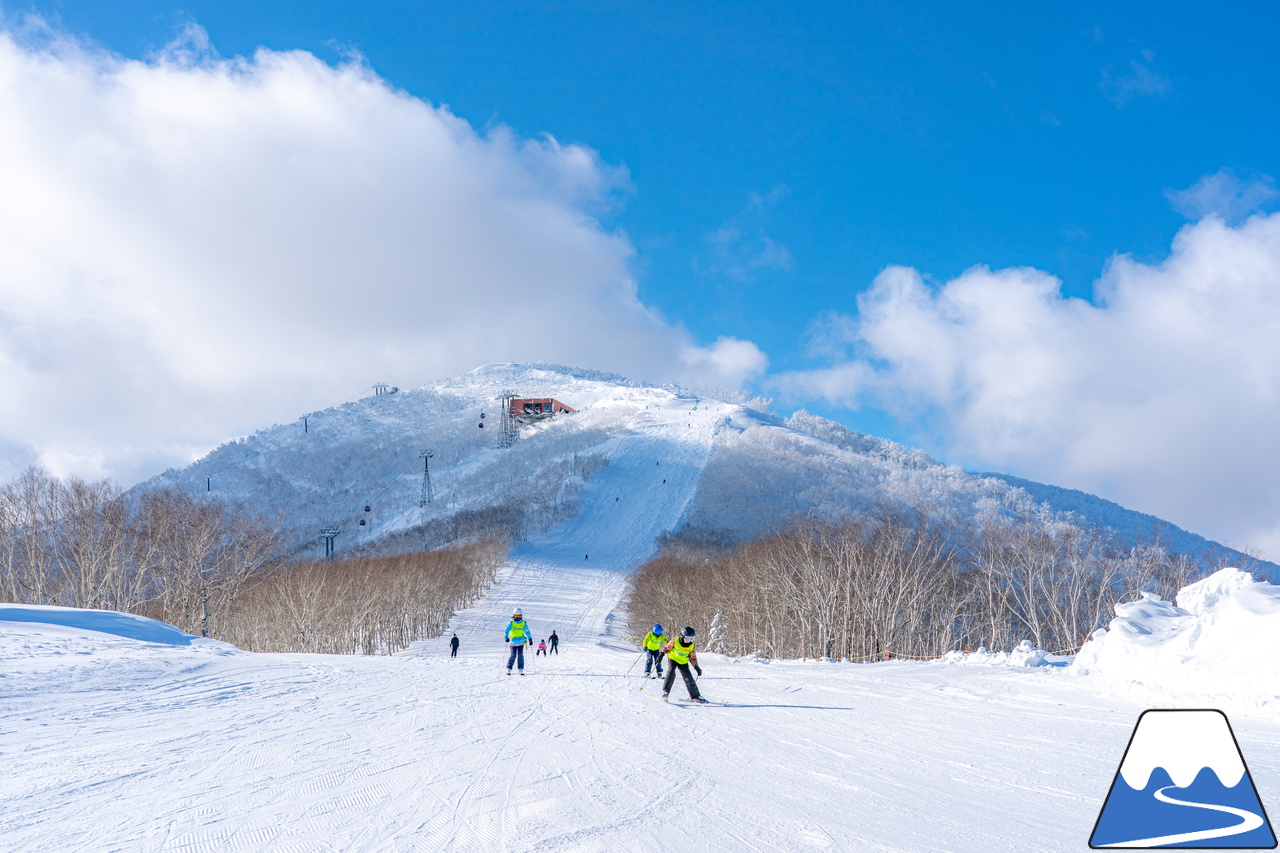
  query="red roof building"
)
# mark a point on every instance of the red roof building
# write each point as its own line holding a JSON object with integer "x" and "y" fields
{"x": 529, "y": 409}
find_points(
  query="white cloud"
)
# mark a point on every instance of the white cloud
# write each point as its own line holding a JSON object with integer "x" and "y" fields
{"x": 728, "y": 363}
{"x": 1224, "y": 194}
{"x": 1163, "y": 393}
{"x": 195, "y": 246}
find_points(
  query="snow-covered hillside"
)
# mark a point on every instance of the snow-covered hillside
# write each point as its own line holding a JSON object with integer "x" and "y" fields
{"x": 704, "y": 467}
{"x": 121, "y": 734}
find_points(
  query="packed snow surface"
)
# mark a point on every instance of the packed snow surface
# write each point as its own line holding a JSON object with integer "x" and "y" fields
{"x": 119, "y": 742}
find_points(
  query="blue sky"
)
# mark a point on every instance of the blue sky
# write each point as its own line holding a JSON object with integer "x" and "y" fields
{"x": 779, "y": 157}
{"x": 937, "y": 136}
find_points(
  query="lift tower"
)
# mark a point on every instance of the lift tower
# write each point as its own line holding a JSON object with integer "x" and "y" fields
{"x": 426, "y": 478}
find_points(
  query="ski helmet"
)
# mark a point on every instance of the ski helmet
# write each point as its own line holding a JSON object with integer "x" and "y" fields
{"x": 516, "y": 614}
{"x": 687, "y": 633}
{"x": 657, "y": 629}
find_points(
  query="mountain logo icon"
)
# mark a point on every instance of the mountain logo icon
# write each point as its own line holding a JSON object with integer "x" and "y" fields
{"x": 1183, "y": 783}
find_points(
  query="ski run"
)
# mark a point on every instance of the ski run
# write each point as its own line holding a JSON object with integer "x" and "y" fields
{"x": 119, "y": 734}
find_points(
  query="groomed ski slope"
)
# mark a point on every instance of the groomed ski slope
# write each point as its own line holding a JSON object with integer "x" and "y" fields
{"x": 133, "y": 739}
{"x": 116, "y": 744}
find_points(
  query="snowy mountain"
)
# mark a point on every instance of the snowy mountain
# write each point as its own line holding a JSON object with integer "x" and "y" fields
{"x": 170, "y": 742}
{"x": 720, "y": 471}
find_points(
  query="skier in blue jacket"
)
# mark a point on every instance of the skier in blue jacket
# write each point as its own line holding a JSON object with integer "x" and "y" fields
{"x": 517, "y": 636}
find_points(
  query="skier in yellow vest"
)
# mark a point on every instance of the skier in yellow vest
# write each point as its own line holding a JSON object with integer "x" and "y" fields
{"x": 653, "y": 650}
{"x": 680, "y": 655}
{"x": 516, "y": 637}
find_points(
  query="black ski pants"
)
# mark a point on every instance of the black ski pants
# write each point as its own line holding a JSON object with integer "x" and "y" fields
{"x": 689, "y": 683}
{"x": 555, "y": 647}
{"x": 453, "y": 651}
{"x": 654, "y": 657}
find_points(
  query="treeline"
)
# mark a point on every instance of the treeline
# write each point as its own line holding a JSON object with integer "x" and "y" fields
{"x": 160, "y": 552}
{"x": 371, "y": 605}
{"x": 902, "y": 583}
{"x": 219, "y": 571}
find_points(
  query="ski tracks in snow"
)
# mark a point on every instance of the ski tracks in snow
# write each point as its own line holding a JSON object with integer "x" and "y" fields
{"x": 189, "y": 752}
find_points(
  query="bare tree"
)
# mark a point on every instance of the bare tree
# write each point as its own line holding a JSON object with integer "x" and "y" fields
{"x": 902, "y": 582}
{"x": 91, "y": 548}
{"x": 365, "y": 605}
{"x": 32, "y": 501}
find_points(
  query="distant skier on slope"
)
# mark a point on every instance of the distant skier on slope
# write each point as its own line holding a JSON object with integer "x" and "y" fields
{"x": 680, "y": 654}
{"x": 453, "y": 645}
{"x": 517, "y": 635}
{"x": 653, "y": 650}
{"x": 555, "y": 643}
{"x": 542, "y": 648}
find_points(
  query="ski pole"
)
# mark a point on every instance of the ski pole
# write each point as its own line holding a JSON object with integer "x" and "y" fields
{"x": 633, "y": 665}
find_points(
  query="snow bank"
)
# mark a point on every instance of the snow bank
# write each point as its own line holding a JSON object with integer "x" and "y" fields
{"x": 1219, "y": 639}
{"x": 1024, "y": 655}
{"x": 38, "y": 619}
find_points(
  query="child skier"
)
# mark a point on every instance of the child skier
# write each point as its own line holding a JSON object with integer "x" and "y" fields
{"x": 680, "y": 653}
{"x": 653, "y": 650}
{"x": 517, "y": 635}
{"x": 542, "y": 647}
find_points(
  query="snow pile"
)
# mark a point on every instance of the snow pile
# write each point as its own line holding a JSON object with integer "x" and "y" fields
{"x": 1024, "y": 655}
{"x": 1218, "y": 639}
{"x": 33, "y": 622}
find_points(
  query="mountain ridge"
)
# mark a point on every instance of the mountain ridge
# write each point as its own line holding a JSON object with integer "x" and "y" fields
{"x": 759, "y": 469}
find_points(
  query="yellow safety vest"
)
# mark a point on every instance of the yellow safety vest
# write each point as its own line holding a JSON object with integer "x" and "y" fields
{"x": 679, "y": 651}
{"x": 653, "y": 641}
{"x": 517, "y": 629}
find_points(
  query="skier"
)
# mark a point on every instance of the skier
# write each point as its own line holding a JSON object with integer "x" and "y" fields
{"x": 653, "y": 655}
{"x": 555, "y": 643}
{"x": 542, "y": 648}
{"x": 680, "y": 653}
{"x": 453, "y": 645}
{"x": 517, "y": 635}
